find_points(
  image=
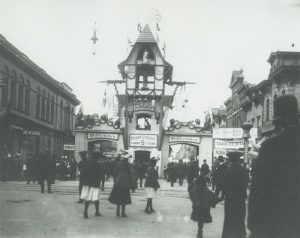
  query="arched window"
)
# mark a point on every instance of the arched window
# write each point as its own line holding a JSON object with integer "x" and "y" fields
{"x": 27, "y": 96}
{"x": 67, "y": 117}
{"x": 38, "y": 102}
{"x": 72, "y": 118}
{"x": 48, "y": 107}
{"x": 43, "y": 105}
{"x": 21, "y": 94}
{"x": 5, "y": 75}
{"x": 52, "y": 109}
{"x": 267, "y": 110}
{"x": 13, "y": 89}
{"x": 55, "y": 108}
{"x": 61, "y": 105}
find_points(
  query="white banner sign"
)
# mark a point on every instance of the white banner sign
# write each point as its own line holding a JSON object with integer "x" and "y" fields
{"x": 103, "y": 136}
{"x": 143, "y": 140}
{"x": 225, "y": 144}
{"x": 227, "y": 133}
{"x": 218, "y": 152}
{"x": 184, "y": 139}
{"x": 232, "y": 133}
{"x": 69, "y": 147}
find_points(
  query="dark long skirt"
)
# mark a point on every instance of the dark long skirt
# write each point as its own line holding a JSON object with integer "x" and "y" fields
{"x": 234, "y": 219}
{"x": 201, "y": 215}
{"x": 120, "y": 196}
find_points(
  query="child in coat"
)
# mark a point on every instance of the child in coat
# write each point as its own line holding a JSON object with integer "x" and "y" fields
{"x": 202, "y": 199}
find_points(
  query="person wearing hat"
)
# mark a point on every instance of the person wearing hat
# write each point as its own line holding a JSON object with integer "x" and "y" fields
{"x": 91, "y": 183}
{"x": 82, "y": 167}
{"x": 219, "y": 176}
{"x": 120, "y": 194}
{"x": 274, "y": 201}
{"x": 45, "y": 170}
{"x": 151, "y": 185}
{"x": 235, "y": 192}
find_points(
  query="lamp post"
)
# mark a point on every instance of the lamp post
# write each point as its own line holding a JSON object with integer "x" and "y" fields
{"x": 246, "y": 135}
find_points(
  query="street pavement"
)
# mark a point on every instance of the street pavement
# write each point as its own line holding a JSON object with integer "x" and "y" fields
{"x": 25, "y": 212}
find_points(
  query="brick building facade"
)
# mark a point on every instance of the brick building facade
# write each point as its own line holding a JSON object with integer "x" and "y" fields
{"x": 254, "y": 103}
{"x": 36, "y": 111}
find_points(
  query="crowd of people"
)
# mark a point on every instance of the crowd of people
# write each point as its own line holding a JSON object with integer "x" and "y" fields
{"x": 274, "y": 192}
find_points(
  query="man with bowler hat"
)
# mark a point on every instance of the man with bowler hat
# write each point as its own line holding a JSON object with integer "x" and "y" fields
{"x": 235, "y": 191}
{"x": 274, "y": 201}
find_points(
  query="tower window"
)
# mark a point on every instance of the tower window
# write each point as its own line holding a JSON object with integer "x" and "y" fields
{"x": 143, "y": 122}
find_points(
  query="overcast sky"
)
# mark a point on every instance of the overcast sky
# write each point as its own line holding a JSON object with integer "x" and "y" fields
{"x": 205, "y": 41}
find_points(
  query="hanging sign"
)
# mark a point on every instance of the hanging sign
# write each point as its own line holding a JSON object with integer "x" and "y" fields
{"x": 232, "y": 133}
{"x": 227, "y": 133}
{"x": 31, "y": 133}
{"x": 143, "y": 140}
{"x": 191, "y": 139}
{"x": 69, "y": 147}
{"x": 103, "y": 136}
{"x": 225, "y": 144}
{"x": 220, "y": 152}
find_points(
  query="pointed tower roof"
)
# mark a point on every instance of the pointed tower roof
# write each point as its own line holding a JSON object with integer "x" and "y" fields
{"x": 146, "y": 36}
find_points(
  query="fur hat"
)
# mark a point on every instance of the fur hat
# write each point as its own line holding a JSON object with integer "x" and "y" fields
{"x": 284, "y": 107}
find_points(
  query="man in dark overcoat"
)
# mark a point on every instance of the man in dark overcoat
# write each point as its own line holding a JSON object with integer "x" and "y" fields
{"x": 45, "y": 170}
{"x": 235, "y": 191}
{"x": 192, "y": 171}
{"x": 274, "y": 201}
{"x": 181, "y": 171}
{"x": 219, "y": 176}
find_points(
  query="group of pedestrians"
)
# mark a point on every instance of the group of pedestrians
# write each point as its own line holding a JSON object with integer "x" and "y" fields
{"x": 11, "y": 165}
{"x": 274, "y": 194}
{"x": 180, "y": 171}
{"x": 92, "y": 171}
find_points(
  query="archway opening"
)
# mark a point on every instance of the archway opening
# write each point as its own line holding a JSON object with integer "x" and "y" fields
{"x": 183, "y": 151}
{"x": 105, "y": 146}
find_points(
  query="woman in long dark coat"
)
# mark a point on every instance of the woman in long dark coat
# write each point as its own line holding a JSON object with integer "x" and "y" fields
{"x": 235, "y": 191}
{"x": 120, "y": 194}
{"x": 202, "y": 199}
{"x": 151, "y": 185}
{"x": 91, "y": 184}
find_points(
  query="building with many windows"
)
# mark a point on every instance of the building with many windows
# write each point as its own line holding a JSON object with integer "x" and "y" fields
{"x": 36, "y": 111}
{"x": 254, "y": 103}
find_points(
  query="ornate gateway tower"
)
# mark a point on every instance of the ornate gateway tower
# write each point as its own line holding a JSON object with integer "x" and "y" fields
{"x": 142, "y": 104}
{"x": 145, "y": 74}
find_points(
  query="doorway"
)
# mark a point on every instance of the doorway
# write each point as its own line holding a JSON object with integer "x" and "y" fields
{"x": 142, "y": 156}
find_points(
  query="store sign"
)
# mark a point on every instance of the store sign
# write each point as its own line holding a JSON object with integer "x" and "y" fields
{"x": 220, "y": 152}
{"x": 143, "y": 140}
{"x": 233, "y": 145}
{"x": 103, "y": 136}
{"x": 143, "y": 105}
{"x": 31, "y": 133}
{"x": 69, "y": 147}
{"x": 191, "y": 139}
